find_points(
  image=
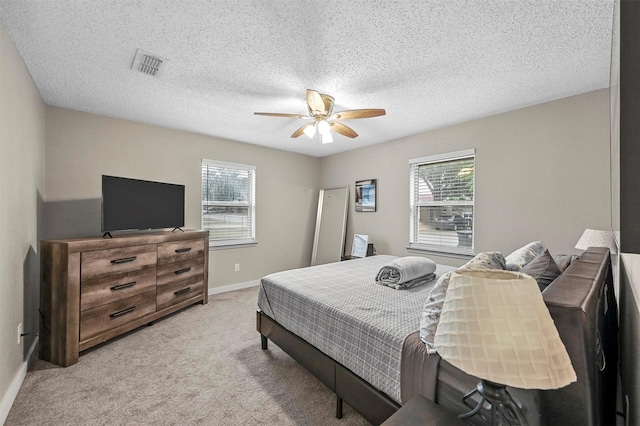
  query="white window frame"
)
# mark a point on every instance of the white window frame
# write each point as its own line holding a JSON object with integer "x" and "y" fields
{"x": 415, "y": 203}
{"x": 250, "y": 203}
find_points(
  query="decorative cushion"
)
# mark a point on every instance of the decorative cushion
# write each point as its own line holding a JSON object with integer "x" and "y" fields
{"x": 433, "y": 305}
{"x": 431, "y": 311}
{"x": 488, "y": 260}
{"x": 520, "y": 257}
{"x": 543, "y": 269}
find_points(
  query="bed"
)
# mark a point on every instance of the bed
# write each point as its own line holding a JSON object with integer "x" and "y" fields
{"x": 360, "y": 339}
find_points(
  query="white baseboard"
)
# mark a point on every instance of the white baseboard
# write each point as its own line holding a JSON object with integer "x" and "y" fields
{"x": 14, "y": 388}
{"x": 232, "y": 287}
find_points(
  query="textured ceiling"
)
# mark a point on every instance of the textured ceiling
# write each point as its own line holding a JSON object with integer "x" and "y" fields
{"x": 428, "y": 63}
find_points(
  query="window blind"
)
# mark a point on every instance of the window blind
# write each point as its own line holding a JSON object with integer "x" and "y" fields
{"x": 228, "y": 202}
{"x": 442, "y": 202}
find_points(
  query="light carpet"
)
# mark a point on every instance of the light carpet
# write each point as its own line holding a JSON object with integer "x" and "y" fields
{"x": 200, "y": 366}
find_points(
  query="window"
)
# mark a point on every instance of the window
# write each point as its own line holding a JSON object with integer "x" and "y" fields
{"x": 441, "y": 200}
{"x": 228, "y": 203}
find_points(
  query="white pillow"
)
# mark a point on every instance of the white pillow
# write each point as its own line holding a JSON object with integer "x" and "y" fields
{"x": 520, "y": 257}
{"x": 433, "y": 306}
{"x": 431, "y": 311}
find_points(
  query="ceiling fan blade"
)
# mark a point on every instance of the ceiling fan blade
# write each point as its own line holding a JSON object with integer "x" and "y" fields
{"x": 301, "y": 129}
{"x": 328, "y": 103}
{"x": 280, "y": 114}
{"x": 342, "y": 129}
{"x": 315, "y": 103}
{"x": 357, "y": 113}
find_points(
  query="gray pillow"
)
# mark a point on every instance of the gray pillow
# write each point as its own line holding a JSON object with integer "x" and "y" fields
{"x": 564, "y": 260}
{"x": 543, "y": 269}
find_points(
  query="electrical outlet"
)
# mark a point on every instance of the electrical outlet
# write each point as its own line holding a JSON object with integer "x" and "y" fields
{"x": 20, "y": 332}
{"x": 236, "y": 268}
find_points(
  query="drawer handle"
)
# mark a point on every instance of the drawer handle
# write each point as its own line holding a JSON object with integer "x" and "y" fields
{"x": 124, "y": 260}
{"x": 123, "y": 312}
{"x": 182, "y": 271}
{"x": 183, "y": 291}
{"x": 123, "y": 286}
{"x": 183, "y": 250}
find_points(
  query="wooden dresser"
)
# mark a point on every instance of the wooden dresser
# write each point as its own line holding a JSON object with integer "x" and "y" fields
{"x": 94, "y": 289}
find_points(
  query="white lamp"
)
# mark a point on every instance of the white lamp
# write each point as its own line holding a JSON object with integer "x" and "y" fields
{"x": 494, "y": 325}
{"x": 597, "y": 238}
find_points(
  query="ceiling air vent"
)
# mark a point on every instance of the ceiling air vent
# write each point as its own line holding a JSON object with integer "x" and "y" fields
{"x": 148, "y": 63}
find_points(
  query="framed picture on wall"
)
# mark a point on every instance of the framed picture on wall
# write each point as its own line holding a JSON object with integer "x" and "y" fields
{"x": 366, "y": 195}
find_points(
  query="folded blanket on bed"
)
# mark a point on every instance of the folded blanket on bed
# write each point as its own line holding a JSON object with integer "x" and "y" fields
{"x": 411, "y": 283}
{"x": 406, "y": 272}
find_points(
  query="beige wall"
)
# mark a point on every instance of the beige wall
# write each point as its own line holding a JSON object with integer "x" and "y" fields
{"x": 542, "y": 172}
{"x": 81, "y": 147}
{"x": 22, "y": 139}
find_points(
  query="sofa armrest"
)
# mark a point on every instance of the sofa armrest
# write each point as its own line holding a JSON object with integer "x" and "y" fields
{"x": 582, "y": 305}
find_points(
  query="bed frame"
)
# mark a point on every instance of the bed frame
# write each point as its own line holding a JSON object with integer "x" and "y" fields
{"x": 374, "y": 405}
{"x": 582, "y": 304}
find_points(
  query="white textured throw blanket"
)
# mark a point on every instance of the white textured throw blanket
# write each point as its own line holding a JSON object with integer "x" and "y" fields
{"x": 406, "y": 272}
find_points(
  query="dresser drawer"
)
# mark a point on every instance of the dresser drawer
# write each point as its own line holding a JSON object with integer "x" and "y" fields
{"x": 179, "y": 271}
{"x": 105, "y": 290}
{"x": 180, "y": 250}
{"x": 176, "y": 292}
{"x": 97, "y": 320}
{"x": 99, "y": 263}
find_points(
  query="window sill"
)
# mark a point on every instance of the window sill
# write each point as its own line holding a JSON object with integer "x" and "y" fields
{"x": 232, "y": 245}
{"x": 454, "y": 254}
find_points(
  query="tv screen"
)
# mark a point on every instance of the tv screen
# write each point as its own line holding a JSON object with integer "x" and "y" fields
{"x": 133, "y": 204}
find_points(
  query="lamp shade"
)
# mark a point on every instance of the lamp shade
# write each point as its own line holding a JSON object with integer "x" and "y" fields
{"x": 494, "y": 325}
{"x": 597, "y": 238}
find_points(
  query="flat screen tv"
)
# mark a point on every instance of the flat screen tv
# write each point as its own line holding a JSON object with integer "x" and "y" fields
{"x": 133, "y": 204}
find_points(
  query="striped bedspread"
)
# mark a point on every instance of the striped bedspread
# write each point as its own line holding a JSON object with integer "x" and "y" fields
{"x": 339, "y": 309}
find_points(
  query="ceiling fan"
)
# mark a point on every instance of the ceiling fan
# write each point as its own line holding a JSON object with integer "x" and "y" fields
{"x": 323, "y": 119}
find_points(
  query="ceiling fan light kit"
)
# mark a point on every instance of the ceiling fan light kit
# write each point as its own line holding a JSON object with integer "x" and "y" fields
{"x": 323, "y": 127}
{"x": 310, "y": 131}
{"x": 320, "y": 108}
{"x": 327, "y": 138}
